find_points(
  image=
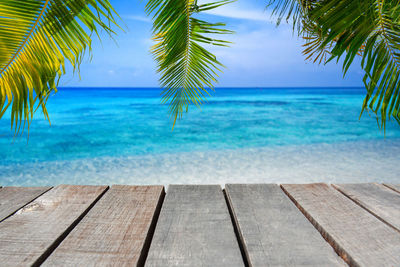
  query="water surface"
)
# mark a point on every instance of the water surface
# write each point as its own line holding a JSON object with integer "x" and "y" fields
{"x": 125, "y": 132}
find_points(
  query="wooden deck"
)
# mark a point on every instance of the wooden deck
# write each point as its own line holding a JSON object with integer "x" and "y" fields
{"x": 201, "y": 225}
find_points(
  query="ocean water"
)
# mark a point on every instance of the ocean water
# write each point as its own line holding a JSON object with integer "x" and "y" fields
{"x": 124, "y": 135}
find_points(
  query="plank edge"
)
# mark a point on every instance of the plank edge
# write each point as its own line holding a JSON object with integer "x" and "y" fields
{"x": 150, "y": 233}
{"x": 236, "y": 227}
{"x": 45, "y": 188}
{"x": 50, "y": 249}
{"x": 359, "y": 203}
{"x": 340, "y": 251}
{"x": 391, "y": 187}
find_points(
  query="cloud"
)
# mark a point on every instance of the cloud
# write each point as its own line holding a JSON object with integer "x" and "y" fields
{"x": 232, "y": 10}
{"x": 239, "y": 12}
{"x": 137, "y": 18}
{"x": 263, "y": 48}
{"x": 272, "y": 56}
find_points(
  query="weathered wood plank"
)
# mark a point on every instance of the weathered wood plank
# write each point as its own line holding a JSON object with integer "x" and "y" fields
{"x": 114, "y": 232}
{"x": 381, "y": 201}
{"x": 13, "y": 198}
{"x": 29, "y": 235}
{"x": 395, "y": 187}
{"x": 274, "y": 232}
{"x": 357, "y": 235}
{"x": 194, "y": 229}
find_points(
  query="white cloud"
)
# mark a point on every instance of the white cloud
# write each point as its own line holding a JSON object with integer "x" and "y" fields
{"x": 265, "y": 48}
{"x": 137, "y": 18}
{"x": 233, "y": 10}
{"x": 271, "y": 56}
{"x": 239, "y": 12}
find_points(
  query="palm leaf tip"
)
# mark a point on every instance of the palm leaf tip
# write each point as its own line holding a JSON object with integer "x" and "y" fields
{"x": 36, "y": 36}
{"x": 187, "y": 69}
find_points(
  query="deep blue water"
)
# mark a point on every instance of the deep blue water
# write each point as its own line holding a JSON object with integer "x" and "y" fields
{"x": 114, "y": 122}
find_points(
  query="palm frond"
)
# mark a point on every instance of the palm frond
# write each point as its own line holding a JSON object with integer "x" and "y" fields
{"x": 36, "y": 36}
{"x": 186, "y": 67}
{"x": 368, "y": 28}
{"x": 297, "y": 12}
{"x": 293, "y": 11}
{"x": 314, "y": 48}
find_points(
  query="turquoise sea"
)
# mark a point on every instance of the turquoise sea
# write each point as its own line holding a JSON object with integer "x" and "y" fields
{"x": 124, "y": 135}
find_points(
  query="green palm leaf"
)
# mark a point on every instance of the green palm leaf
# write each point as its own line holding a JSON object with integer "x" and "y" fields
{"x": 36, "y": 36}
{"x": 186, "y": 67}
{"x": 369, "y": 28}
{"x": 372, "y": 28}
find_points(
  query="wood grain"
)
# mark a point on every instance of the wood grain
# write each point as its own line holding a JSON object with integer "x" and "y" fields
{"x": 115, "y": 230}
{"x": 273, "y": 230}
{"x": 27, "y": 237}
{"x": 395, "y": 187}
{"x": 357, "y": 235}
{"x": 194, "y": 229}
{"x": 379, "y": 200}
{"x": 13, "y": 198}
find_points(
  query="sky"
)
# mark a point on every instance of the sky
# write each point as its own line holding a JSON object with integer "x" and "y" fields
{"x": 262, "y": 54}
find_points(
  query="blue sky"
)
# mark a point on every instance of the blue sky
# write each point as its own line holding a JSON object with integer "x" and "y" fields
{"x": 261, "y": 54}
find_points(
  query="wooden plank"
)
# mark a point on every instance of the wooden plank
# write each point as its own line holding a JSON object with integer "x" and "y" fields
{"x": 358, "y": 236}
{"x": 13, "y": 198}
{"x": 395, "y": 187}
{"x": 274, "y": 232}
{"x": 381, "y": 201}
{"x": 194, "y": 229}
{"x": 27, "y": 237}
{"x": 115, "y": 232}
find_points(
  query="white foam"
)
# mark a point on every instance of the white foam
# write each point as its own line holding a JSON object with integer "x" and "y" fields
{"x": 362, "y": 161}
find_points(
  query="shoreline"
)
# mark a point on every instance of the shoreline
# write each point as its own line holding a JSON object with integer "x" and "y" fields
{"x": 356, "y": 161}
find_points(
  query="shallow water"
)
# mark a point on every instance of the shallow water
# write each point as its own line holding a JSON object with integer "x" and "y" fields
{"x": 119, "y": 135}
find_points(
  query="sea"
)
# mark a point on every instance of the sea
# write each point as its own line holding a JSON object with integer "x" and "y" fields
{"x": 239, "y": 135}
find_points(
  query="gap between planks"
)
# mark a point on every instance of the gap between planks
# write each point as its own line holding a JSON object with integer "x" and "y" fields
{"x": 150, "y": 234}
{"x": 116, "y": 231}
{"x": 237, "y": 231}
{"x": 194, "y": 229}
{"x": 30, "y": 235}
{"x": 58, "y": 241}
{"x": 13, "y": 198}
{"x": 273, "y": 230}
{"x": 357, "y": 235}
{"x": 394, "y": 187}
{"x": 377, "y": 199}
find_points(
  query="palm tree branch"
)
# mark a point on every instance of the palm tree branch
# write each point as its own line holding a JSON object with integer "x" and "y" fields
{"x": 27, "y": 37}
{"x": 40, "y": 35}
{"x": 385, "y": 34}
{"x": 370, "y": 29}
{"x": 186, "y": 67}
{"x": 382, "y": 66}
